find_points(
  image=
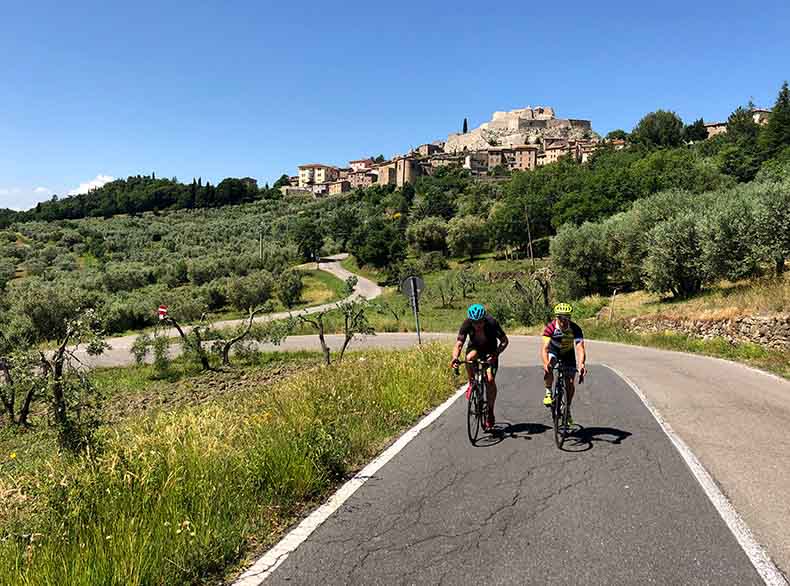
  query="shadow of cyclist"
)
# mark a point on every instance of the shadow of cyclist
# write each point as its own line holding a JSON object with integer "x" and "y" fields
{"x": 506, "y": 430}
{"x": 582, "y": 438}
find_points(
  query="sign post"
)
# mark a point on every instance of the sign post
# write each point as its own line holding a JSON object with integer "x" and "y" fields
{"x": 162, "y": 312}
{"x": 412, "y": 287}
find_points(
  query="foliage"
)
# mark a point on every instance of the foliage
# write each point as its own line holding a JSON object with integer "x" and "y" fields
{"x": 695, "y": 131}
{"x": 617, "y": 134}
{"x": 579, "y": 260}
{"x": 658, "y": 129}
{"x": 251, "y": 291}
{"x": 428, "y": 234}
{"x": 519, "y": 304}
{"x": 776, "y": 134}
{"x": 467, "y": 236}
{"x": 673, "y": 261}
{"x": 289, "y": 288}
{"x": 378, "y": 243}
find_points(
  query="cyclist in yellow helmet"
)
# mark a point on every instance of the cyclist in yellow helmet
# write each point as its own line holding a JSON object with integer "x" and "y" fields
{"x": 563, "y": 340}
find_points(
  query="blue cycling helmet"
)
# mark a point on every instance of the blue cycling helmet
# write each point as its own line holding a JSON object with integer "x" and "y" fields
{"x": 476, "y": 312}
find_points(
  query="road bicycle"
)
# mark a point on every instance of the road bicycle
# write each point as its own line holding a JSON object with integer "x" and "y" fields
{"x": 477, "y": 405}
{"x": 560, "y": 410}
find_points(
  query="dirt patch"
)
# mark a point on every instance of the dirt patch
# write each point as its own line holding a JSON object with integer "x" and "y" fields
{"x": 200, "y": 389}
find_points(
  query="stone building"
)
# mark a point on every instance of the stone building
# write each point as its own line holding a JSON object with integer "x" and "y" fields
{"x": 476, "y": 163}
{"x": 715, "y": 128}
{"x": 361, "y": 179}
{"x": 520, "y": 127}
{"x": 524, "y": 158}
{"x": 407, "y": 169}
{"x": 361, "y": 164}
{"x": 553, "y": 154}
{"x": 291, "y": 191}
{"x": 316, "y": 173}
{"x": 426, "y": 150}
{"x": 761, "y": 116}
{"x": 386, "y": 173}
{"x": 319, "y": 189}
{"x": 338, "y": 187}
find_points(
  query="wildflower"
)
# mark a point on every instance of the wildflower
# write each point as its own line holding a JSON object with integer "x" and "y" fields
{"x": 12, "y": 455}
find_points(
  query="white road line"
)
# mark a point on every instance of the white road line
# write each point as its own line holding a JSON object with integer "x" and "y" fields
{"x": 277, "y": 554}
{"x": 757, "y": 555}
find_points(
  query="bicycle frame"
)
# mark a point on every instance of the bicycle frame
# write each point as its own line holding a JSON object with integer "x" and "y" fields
{"x": 478, "y": 404}
{"x": 559, "y": 404}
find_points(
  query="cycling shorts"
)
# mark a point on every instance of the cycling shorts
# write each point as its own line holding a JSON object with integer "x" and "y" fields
{"x": 568, "y": 360}
{"x": 485, "y": 356}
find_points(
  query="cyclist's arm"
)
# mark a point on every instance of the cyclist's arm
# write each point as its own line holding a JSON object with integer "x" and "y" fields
{"x": 503, "y": 342}
{"x": 502, "y": 337}
{"x": 544, "y": 352}
{"x": 457, "y": 350}
{"x": 581, "y": 355}
{"x": 459, "y": 341}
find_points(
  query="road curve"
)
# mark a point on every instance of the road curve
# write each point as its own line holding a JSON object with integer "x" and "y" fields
{"x": 119, "y": 352}
{"x": 732, "y": 417}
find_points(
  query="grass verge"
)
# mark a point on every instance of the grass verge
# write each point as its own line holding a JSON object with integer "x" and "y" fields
{"x": 178, "y": 497}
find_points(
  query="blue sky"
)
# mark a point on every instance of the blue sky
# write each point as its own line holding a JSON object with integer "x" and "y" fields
{"x": 90, "y": 90}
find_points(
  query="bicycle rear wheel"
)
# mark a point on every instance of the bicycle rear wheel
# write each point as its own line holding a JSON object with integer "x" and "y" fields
{"x": 472, "y": 418}
{"x": 482, "y": 411}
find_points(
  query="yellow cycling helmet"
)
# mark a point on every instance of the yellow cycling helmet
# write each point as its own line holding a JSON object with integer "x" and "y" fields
{"x": 563, "y": 309}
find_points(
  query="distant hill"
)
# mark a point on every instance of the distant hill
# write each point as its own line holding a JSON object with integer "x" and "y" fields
{"x": 142, "y": 193}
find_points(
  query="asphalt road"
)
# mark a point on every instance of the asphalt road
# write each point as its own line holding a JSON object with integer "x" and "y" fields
{"x": 619, "y": 507}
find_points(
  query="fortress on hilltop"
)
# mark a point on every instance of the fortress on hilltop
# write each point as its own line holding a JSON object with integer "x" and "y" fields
{"x": 523, "y": 126}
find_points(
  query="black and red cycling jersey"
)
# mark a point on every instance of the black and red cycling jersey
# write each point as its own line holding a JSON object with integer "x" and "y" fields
{"x": 485, "y": 341}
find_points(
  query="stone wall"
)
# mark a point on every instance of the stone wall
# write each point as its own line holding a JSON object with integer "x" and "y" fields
{"x": 773, "y": 331}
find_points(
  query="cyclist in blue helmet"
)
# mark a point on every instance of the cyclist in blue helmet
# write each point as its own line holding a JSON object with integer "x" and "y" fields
{"x": 487, "y": 340}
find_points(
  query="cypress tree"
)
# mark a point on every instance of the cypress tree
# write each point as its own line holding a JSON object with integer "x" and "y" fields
{"x": 775, "y": 135}
{"x": 466, "y": 126}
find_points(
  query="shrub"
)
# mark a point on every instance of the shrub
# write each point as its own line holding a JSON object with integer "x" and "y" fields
{"x": 729, "y": 238}
{"x": 580, "y": 260}
{"x": 673, "y": 261}
{"x": 467, "y": 236}
{"x": 251, "y": 291}
{"x": 289, "y": 288}
{"x": 428, "y": 234}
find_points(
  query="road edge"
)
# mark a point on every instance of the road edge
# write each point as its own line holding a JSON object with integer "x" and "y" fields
{"x": 266, "y": 564}
{"x": 756, "y": 553}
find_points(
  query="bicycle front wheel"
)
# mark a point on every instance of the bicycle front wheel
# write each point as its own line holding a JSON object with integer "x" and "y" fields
{"x": 472, "y": 418}
{"x": 559, "y": 413}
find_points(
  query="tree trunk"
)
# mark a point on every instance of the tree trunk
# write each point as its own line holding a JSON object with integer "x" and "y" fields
{"x": 9, "y": 398}
{"x": 780, "y": 265}
{"x": 25, "y": 411}
{"x": 226, "y": 348}
{"x": 324, "y": 347}
{"x": 198, "y": 342}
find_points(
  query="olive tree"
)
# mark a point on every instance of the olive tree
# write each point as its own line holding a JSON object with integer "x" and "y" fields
{"x": 673, "y": 260}
{"x": 467, "y": 236}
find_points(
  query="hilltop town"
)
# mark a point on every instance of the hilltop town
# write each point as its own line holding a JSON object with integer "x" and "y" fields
{"x": 517, "y": 140}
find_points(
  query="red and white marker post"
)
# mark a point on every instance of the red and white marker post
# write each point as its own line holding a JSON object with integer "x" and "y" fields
{"x": 162, "y": 312}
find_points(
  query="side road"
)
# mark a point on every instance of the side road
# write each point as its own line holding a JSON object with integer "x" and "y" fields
{"x": 120, "y": 347}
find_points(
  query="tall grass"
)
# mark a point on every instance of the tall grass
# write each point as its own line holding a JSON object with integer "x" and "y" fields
{"x": 176, "y": 498}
